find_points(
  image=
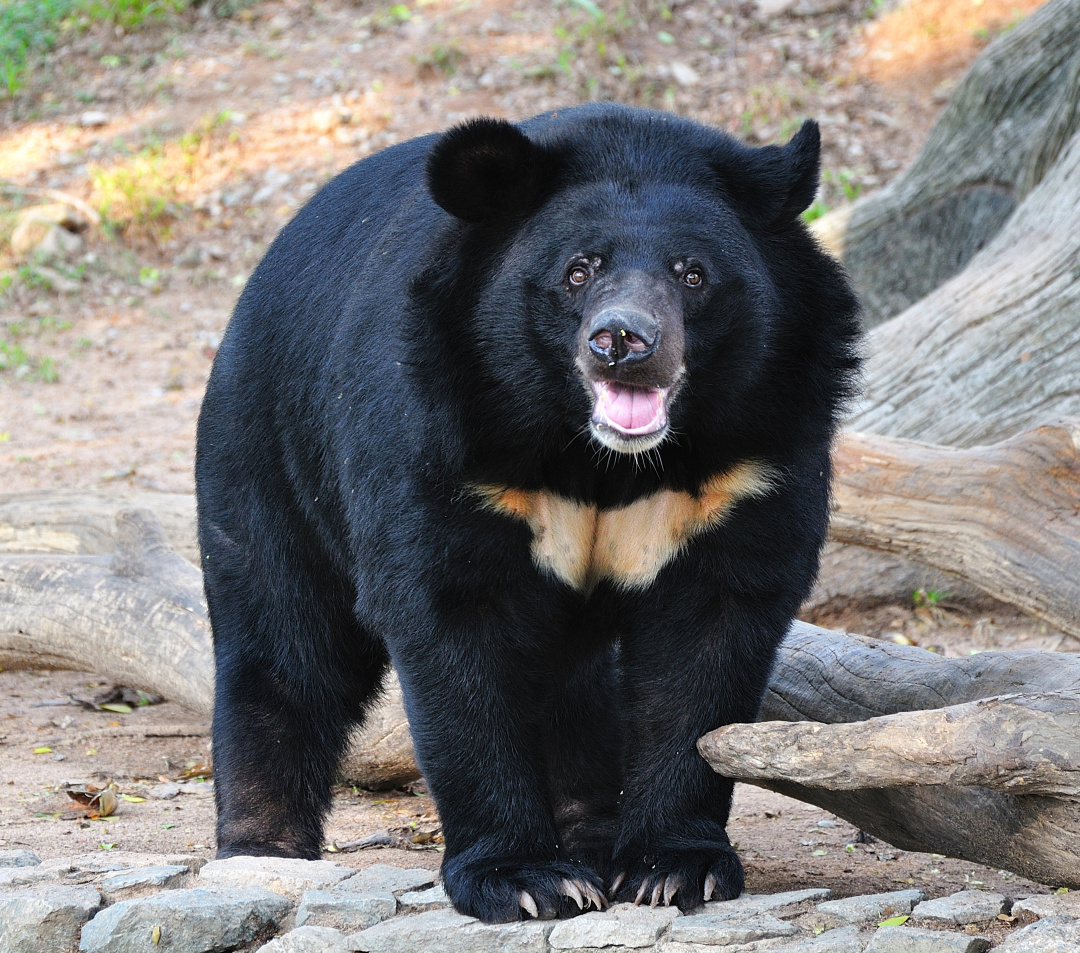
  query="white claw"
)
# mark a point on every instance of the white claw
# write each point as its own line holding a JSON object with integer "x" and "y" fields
{"x": 670, "y": 890}
{"x": 620, "y": 878}
{"x": 642, "y": 890}
{"x": 657, "y": 892}
{"x": 528, "y": 904}
{"x": 595, "y": 897}
{"x": 710, "y": 886}
{"x": 570, "y": 889}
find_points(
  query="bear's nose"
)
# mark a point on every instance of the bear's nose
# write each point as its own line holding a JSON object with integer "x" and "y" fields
{"x": 617, "y": 335}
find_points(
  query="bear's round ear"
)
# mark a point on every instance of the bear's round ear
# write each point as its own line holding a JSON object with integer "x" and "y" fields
{"x": 776, "y": 183}
{"x": 487, "y": 169}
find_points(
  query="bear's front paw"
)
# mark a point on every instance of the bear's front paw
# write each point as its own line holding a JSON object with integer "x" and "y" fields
{"x": 689, "y": 877}
{"x": 498, "y": 891}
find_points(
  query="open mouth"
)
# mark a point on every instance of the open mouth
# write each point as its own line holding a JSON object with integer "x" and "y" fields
{"x": 629, "y": 419}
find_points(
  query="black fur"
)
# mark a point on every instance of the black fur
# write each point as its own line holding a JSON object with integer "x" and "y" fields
{"x": 411, "y": 334}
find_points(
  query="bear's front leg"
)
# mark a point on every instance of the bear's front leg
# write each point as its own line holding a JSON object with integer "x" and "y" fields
{"x": 478, "y": 694}
{"x": 702, "y": 663}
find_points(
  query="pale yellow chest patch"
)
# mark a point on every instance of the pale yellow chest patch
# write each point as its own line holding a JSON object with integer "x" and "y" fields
{"x": 629, "y": 546}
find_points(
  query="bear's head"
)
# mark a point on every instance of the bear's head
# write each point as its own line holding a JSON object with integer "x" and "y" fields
{"x": 638, "y": 276}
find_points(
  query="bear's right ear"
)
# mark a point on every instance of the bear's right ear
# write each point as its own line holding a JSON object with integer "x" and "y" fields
{"x": 487, "y": 169}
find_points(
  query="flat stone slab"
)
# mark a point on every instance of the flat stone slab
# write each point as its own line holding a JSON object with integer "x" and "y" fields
{"x": 1052, "y": 935}
{"x": 196, "y": 920}
{"x": 345, "y": 910}
{"x": 1054, "y": 905}
{"x": 446, "y": 931}
{"x": 967, "y": 906}
{"x": 417, "y": 901}
{"x": 778, "y": 904}
{"x": 721, "y": 929}
{"x": 873, "y": 906}
{"x": 19, "y": 858}
{"x": 849, "y": 939}
{"x": 622, "y": 926}
{"x": 308, "y": 940}
{"x": 284, "y": 875}
{"x": 126, "y": 884}
{"x": 384, "y": 878}
{"x": 45, "y": 919}
{"x": 116, "y": 860}
{"x": 12, "y": 877}
{"x": 907, "y": 939}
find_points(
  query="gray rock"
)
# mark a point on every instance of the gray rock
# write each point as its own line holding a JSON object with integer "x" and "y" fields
{"x": 197, "y": 920}
{"x": 907, "y": 939}
{"x": 25, "y": 876}
{"x": 383, "y": 878}
{"x": 623, "y": 926}
{"x": 118, "y": 860}
{"x": 1054, "y": 905}
{"x": 849, "y": 939}
{"x": 308, "y": 940}
{"x": 967, "y": 906}
{"x": 45, "y": 919}
{"x": 417, "y": 901}
{"x": 872, "y": 907}
{"x": 345, "y": 910}
{"x": 93, "y": 118}
{"x": 721, "y": 930}
{"x": 778, "y": 904}
{"x": 126, "y": 884}
{"x": 1052, "y": 935}
{"x": 445, "y": 931}
{"x": 19, "y": 858}
{"x": 284, "y": 875}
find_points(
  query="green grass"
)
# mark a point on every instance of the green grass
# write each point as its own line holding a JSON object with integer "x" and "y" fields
{"x": 30, "y": 29}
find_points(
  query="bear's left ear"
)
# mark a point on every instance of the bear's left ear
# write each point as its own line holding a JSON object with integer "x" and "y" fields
{"x": 777, "y": 182}
{"x": 487, "y": 169}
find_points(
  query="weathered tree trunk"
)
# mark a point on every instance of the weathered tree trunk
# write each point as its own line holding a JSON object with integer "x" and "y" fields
{"x": 825, "y": 677}
{"x": 1005, "y": 518}
{"x": 1003, "y": 129}
{"x": 994, "y": 350}
{"x": 138, "y": 615}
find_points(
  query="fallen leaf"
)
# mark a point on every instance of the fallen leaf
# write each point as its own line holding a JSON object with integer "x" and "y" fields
{"x": 43, "y": 751}
{"x": 894, "y": 921}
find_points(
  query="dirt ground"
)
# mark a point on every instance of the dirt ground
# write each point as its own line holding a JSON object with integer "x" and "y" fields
{"x": 198, "y": 137}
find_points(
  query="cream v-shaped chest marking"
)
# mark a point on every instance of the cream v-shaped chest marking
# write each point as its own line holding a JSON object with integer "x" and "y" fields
{"x": 630, "y": 545}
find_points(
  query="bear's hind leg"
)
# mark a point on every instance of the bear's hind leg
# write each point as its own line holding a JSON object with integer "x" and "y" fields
{"x": 294, "y": 674}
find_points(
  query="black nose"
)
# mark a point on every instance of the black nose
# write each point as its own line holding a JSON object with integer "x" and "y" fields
{"x": 617, "y": 335}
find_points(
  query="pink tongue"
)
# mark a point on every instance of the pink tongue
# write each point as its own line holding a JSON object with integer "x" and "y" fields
{"x": 630, "y": 409}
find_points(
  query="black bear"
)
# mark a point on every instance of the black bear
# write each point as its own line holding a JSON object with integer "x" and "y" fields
{"x": 540, "y": 415}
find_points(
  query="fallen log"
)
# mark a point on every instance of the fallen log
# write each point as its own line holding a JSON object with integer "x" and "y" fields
{"x": 138, "y": 616}
{"x": 1005, "y": 518}
{"x": 830, "y": 678}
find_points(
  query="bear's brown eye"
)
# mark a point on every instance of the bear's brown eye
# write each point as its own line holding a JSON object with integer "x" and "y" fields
{"x": 693, "y": 278}
{"x": 579, "y": 274}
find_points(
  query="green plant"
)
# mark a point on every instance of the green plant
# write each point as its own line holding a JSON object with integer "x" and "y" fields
{"x": 927, "y": 597}
{"x": 139, "y": 191}
{"x": 443, "y": 58}
{"x": 815, "y": 211}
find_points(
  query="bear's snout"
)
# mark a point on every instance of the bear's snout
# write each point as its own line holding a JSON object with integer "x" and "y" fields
{"x": 617, "y": 334}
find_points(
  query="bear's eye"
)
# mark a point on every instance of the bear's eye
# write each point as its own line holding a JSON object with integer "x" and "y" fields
{"x": 693, "y": 278}
{"x": 579, "y": 274}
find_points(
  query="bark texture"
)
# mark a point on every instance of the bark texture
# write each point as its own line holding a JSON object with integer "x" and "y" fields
{"x": 826, "y": 677}
{"x": 1002, "y": 130}
{"x": 138, "y": 615}
{"x": 1005, "y": 518}
{"x": 995, "y": 349}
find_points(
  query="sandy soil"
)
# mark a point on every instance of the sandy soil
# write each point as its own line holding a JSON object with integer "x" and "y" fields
{"x": 213, "y": 132}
